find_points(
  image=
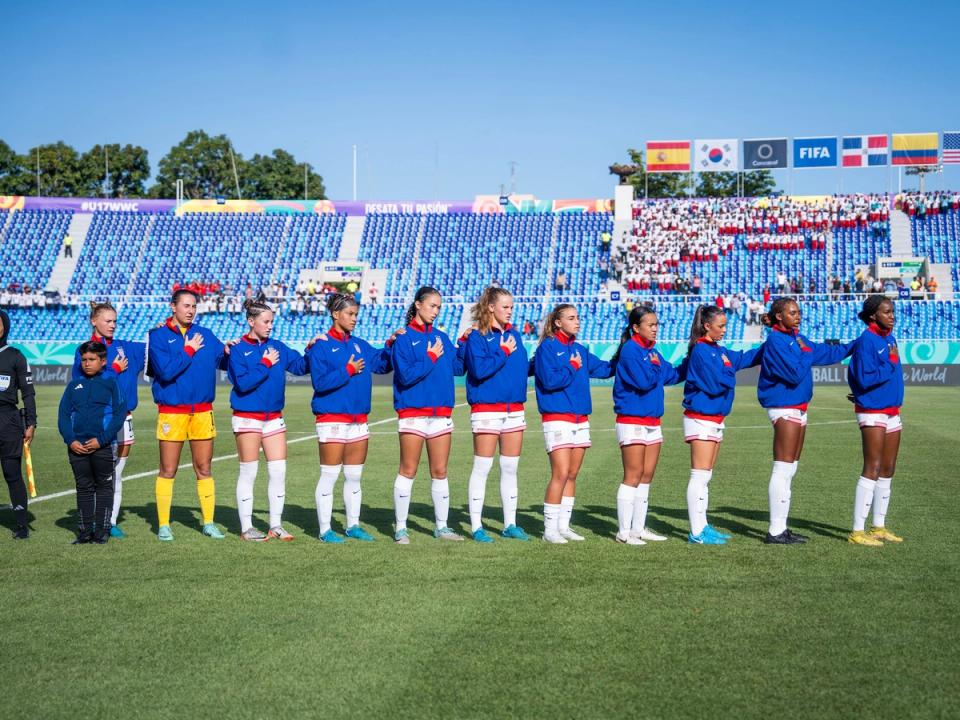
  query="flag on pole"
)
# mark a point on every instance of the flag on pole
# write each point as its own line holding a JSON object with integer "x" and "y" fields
{"x": 951, "y": 146}
{"x": 31, "y": 481}
{"x": 865, "y": 150}
{"x": 668, "y": 156}
{"x": 716, "y": 155}
{"x": 915, "y": 148}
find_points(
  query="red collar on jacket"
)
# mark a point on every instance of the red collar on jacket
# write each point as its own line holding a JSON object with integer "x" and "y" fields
{"x": 781, "y": 328}
{"x": 646, "y": 344}
{"x": 175, "y": 326}
{"x": 337, "y": 335}
{"x": 96, "y": 338}
{"x": 564, "y": 338}
{"x": 419, "y": 326}
{"x": 506, "y": 328}
{"x": 706, "y": 340}
{"x": 877, "y": 330}
{"x": 246, "y": 338}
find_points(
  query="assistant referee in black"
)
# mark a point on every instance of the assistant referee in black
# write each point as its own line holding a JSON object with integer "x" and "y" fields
{"x": 16, "y": 426}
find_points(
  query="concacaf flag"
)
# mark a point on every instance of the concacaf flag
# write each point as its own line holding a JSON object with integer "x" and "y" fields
{"x": 915, "y": 148}
{"x": 668, "y": 156}
{"x": 865, "y": 150}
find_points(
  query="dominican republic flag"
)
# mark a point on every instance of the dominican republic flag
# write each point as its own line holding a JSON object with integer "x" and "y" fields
{"x": 951, "y": 147}
{"x": 865, "y": 150}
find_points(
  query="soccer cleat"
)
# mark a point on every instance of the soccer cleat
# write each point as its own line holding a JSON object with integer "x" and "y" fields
{"x": 116, "y": 532}
{"x": 629, "y": 539}
{"x": 253, "y": 535}
{"x": 796, "y": 536}
{"x": 355, "y": 532}
{"x": 401, "y": 537}
{"x": 648, "y": 535}
{"x": 554, "y": 538}
{"x": 212, "y": 531}
{"x": 83, "y": 538}
{"x": 704, "y": 538}
{"x": 21, "y": 532}
{"x": 482, "y": 536}
{"x": 514, "y": 532}
{"x": 278, "y": 533}
{"x": 330, "y": 536}
{"x": 101, "y": 538}
{"x": 571, "y": 535}
{"x": 859, "y": 537}
{"x": 884, "y": 535}
{"x": 446, "y": 533}
{"x": 711, "y": 530}
{"x": 164, "y": 534}
{"x": 784, "y": 538}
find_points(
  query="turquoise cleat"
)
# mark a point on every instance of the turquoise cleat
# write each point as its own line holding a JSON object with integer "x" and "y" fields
{"x": 481, "y": 536}
{"x": 705, "y": 538}
{"x": 356, "y": 532}
{"x": 401, "y": 537}
{"x": 514, "y": 533}
{"x": 711, "y": 530}
{"x": 116, "y": 532}
{"x": 164, "y": 534}
{"x": 331, "y": 537}
{"x": 212, "y": 531}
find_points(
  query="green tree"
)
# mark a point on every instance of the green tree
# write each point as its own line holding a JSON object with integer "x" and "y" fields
{"x": 657, "y": 185}
{"x": 129, "y": 170}
{"x": 756, "y": 183}
{"x": 13, "y": 178}
{"x": 203, "y": 163}
{"x": 59, "y": 171}
{"x": 279, "y": 176}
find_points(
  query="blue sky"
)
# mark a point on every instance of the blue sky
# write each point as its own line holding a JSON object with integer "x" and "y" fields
{"x": 441, "y": 96}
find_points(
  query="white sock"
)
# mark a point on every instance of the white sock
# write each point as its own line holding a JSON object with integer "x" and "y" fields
{"x": 508, "y": 488}
{"x": 698, "y": 497}
{"x": 440, "y": 491}
{"x": 881, "y": 500}
{"x": 276, "y": 489}
{"x": 402, "y": 487}
{"x": 352, "y": 496}
{"x": 551, "y": 519}
{"x": 626, "y": 495}
{"x": 793, "y": 469}
{"x": 862, "y": 499}
{"x": 245, "y": 481}
{"x": 640, "y": 504}
{"x": 324, "y": 495}
{"x": 566, "y": 512}
{"x": 476, "y": 489}
{"x": 117, "y": 489}
{"x": 779, "y": 496}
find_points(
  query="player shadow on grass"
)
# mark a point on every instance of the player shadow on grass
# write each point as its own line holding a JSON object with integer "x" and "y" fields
{"x": 381, "y": 519}
{"x": 819, "y": 528}
{"x": 601, "y": 513}
{"x": 9, "y": 521}
{"x": 183, "y": 515}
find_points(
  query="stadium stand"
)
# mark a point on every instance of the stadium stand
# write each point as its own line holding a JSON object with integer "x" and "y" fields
{"x": 30, "y": 244}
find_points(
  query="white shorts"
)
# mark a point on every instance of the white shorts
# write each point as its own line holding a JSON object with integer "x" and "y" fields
{"x": 497, "y": 423}
{"x": 342, "y": 433}
{"x": 125, "y": 436}
{"x": 891, "y": 422}
{"x": 696, "y": 429}
{"x": 426, "y": 427}
{"x": 633, "y": 434}
{"x": 559, "y": 434}
{"x": 263, "y": 427}
{"x": 794, "y": 415}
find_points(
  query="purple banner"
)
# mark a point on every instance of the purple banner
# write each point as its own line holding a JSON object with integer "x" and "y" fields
{"x": 89, "y": 205}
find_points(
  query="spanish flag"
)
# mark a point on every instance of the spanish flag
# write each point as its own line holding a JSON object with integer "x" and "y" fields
{"x": 668, "y": 156}
{"x": 915, "y": 148}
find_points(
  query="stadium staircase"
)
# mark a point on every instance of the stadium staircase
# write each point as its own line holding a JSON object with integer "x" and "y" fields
{"x": 352, "y": 235}
{"x": 281, "y": 246}
{"x": 900, "y": 235}
{"x": 944, "y": 276}
{"x": 7, "y": 217}
{"x": 64, "y": 267}
{"x": 143, "y": 249}
{"x": 417, "y": 247}
{"x": 551, "y": 263}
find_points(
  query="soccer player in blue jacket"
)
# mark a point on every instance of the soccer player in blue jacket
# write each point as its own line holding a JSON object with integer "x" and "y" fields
{"x": 91, "y": 414}
{"x": 707, "y": 400}
{"x": 784, "y": 389}
{"x": 497, "y": 368}
{"x": 258, "y": 368}
{"x": 425, "y": 361}
{"x": 125, "y": 363}
{"x": 875, "y": 377}
{"x": 562, "y": 369}
{"x": 641, "y": 374}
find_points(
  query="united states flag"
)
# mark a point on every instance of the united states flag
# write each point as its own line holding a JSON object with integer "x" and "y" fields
{"x": 951, "y": 147}
{"x": 865, "y": 150}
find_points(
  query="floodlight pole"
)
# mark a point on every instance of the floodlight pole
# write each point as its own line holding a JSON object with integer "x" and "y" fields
{"x": 38, "y": 171}
{"x": 354, "y": 173}
{"x": 236, "y": 178}
{"x": 304, "y": 181}
{"x": 106, "y": 171}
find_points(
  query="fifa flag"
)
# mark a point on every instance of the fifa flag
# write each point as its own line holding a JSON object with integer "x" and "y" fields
{"x": 915, "y": 148}
{"x": 865, "y": 150}
{"x": 716, "y": 155}
{"x": 668, "y": 156}
{"x": 817, "y": 152}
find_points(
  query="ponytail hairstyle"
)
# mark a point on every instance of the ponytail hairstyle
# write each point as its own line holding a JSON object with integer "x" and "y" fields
{"x": 870, "y": 307}
{"x": 635, "y": 318}
{"x": 481, "y": 311}
{"x": 423, "y": 293}
{"x": 703, "y": 315}
{"x": 769, "y": 318}
{"x": 340, "y": 301}
{"x": 98, "y": 307}
{"x": 255, "y": 308}
{"x": 550, "y": 324}
{"x": 177, "y": 294}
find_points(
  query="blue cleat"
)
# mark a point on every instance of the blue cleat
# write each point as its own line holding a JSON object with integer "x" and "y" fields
{"x": 358, "y": 533}
{"x": 331, "y": 537}
{"x": 164, "y": 534}
{"x": 514, "y": 533}
{"x": 401, "y": 537}
{"x": 704, "y": 538}
{"x": 212, "y": 531}
{"x": 481, "y": 536}
{"x": 711, "y": 530}
{"x": 116, "y": 532}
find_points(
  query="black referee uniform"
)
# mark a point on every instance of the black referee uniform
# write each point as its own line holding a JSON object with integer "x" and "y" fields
{"x": 15, "y": 377}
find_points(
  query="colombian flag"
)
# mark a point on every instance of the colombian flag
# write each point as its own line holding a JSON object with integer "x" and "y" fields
{"x": 668, "y": 156}
{"x": 915, "y": 149}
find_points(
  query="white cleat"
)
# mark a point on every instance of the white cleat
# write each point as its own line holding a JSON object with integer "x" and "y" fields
{"x": 647, "y": 535}
{"x": 630, "y": 539}
{"x": 554, "y": 538}
{"x": 571, "y": 535}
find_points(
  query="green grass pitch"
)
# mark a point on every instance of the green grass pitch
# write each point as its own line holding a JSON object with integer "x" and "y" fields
{"x": 201, "y": 628}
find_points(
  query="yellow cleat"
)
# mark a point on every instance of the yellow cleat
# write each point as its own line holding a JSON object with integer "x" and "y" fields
{"x": 881, "y": 533}
{"x": 859, "y": 537}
